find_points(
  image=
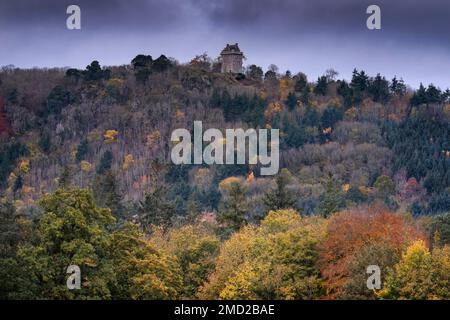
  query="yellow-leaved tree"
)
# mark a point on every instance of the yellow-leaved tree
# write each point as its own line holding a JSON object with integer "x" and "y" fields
{"x": 276, "y": 260}
{"x": 110, "y": 136}
{"x": 419, "y": 275}
{"x": 195, "y": 248}
{"x": 143, "y": 270}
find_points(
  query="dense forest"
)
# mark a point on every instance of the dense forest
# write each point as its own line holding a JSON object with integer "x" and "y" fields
{"x": 86, "y": 179}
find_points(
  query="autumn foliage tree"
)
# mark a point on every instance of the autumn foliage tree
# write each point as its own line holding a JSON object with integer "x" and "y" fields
{"x": 194, "y": 248}
{"x": 72, "y": 231}
{"x": 420, "y": 274}
{"x": 142, "y": 270}
{"x": 371, "y": 229}
{"x": 276, "y": 260}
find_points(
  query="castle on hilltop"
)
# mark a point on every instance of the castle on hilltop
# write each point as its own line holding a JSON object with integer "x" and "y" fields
{"x": 232, "y": 58}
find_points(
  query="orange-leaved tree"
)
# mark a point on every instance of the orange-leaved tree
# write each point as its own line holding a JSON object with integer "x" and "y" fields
{"x": 360, "y": 237}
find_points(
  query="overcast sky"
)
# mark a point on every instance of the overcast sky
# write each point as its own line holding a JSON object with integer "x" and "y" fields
{"x": 299, "y": 35}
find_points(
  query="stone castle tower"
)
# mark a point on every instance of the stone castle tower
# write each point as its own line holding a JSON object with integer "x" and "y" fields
{"x": 232, "y": 59}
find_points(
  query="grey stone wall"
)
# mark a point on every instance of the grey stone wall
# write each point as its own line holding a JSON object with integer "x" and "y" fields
{"x": 232, "y": 63}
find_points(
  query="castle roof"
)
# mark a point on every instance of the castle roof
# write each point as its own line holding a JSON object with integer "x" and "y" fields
{"x": 231, "y": 49}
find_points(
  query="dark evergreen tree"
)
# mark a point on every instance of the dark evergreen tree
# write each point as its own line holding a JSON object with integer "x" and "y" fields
{"x": 74, "y": 74}
{"x": 255, "y": 73}
{"x": 331, "y": 116}
{"x": 291, "y": 101}
{"x": 301, "y": 84}
{"x": 359, "y": 84}
{"x": 233, "y": 210}
{"x": 161, "y": 64}
{"x": 378, "y": 88}
{"x": 105, "y": 162}
{"x": 397, "y": 87}
{"x": 12, "y": 234}
{"x": 13, "y": 97}
{"x": 439, "y": 230}
{"x": 65, "y": 177}
{"x": 58, "y": 99}
{"x": 281, "y": 197}
{"x": 94, "y": 72}
{"x": 321, "y": 86}
{"x": 433, "y": 95}
{"x": 360, "y": 81}
{"x": 82, "y": 149}
{"x": 345, "y": 92}
{"x": 156, "y": 208}
{"x": 142, "y": 61}
{"x": 333, "y": 200}
{"x": 45, "y": 142}
{"x": 106, "y": 192}
{"x": 8, "y": 158}
{"x": 419, "y": 97}
{"x": 18, "y": 184}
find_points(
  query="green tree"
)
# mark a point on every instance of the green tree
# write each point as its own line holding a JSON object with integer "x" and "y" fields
{"x": 419, "y": 275}
{"x": 74, "y": 74}
{"x": 107, "y": 193}
{"x": 94, "y": 72}
{"x": 385, "y": 186}
{"x": 360, "y": 80}
{"x": 419, "y": 97}
{"x": 397, "y": 87}
{"x": 65, "y": 177}
{"x": 58, "y": 99}
{"x": 331, "y": 116}
{"x": 13, "y": 96}
{"x": 233, "y": 211}
{"x": 333, "y": 200}
{"x": 195, "y": 248}
{"x": 142, "y": 270}
{"x": 378, "y": 88}
{"x": 381, "y": 254}
{"x": 321, "y": 86}
{"x": 14, "y": 230}
{"x": 359, "y": 84}
{"x": 72, "y": 231}
{"x": 255, "y": 73}
{"x": 291, "y": 101}
{"x": 82, "y": 150}
{"x": 345, "y": 92}
{"x": 18, "y": 184}
{"x": 156, "y": 208}
{"x": 142, "y": 61}
{"x": 281, "y": 197}
{"x": 276, "y": 260}
{"x": 161, "y": 64}
{"x": 142, "y": 65}
{"x": 439, "y": 230}
{"x": 45, "y": 142}
{"x": 301, "y": 83}
{"x": 105, "y": 162}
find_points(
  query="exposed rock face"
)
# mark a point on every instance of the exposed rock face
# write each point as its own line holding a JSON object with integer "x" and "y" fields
{"x": 232, "y": 59}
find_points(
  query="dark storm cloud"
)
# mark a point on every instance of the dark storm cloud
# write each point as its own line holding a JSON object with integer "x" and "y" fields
{"x": 412, "y": 19}
{"x": 429, "y": 19}
{"x": 100, "y": 14}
